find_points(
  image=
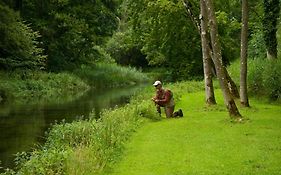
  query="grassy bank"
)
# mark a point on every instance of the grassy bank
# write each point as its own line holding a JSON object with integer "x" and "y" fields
{"x": 36, "y": 86}
{"x": 204, "y": 141}
{"x": 110, "y": 75}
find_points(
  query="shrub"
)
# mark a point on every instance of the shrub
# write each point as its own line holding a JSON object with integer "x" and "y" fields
{"x": 272, "y": 79}
{"x": 264, "y": 77}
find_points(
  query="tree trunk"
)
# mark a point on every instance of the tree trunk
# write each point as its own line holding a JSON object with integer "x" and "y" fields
{"x": 231, "y": 84}
{"x": 217, "y": 58}
{"x": 209, "y": 88}
{"x": 244, "y": 46}
{"x": 270, "y": 21}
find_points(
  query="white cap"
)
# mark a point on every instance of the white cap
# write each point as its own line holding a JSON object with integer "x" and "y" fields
{"x": 156, "y": 83}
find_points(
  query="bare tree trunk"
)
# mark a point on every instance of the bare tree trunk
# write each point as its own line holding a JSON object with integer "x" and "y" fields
{"x": 217, "y": 58}
{"x": 244, "y": 45}
{"x": 231, "y": 84}
{"x": 209, "y": 88}
{"x": 270, "y": 22}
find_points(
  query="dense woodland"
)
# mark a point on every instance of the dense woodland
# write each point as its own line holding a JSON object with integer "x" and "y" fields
{"x": 59, "y": 35}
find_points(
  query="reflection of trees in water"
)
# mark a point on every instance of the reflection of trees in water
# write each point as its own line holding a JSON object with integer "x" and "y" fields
{"x": 19, "y": 132}
{"x": 23, "y": 126}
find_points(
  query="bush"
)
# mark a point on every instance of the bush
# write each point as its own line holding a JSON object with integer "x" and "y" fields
{"x": 264, "y": 77}
{"x": 272, "y": 79}
{"x": 257, "y": 49}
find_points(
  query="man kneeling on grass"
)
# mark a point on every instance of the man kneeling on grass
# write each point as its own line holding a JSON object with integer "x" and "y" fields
{"x": 164, "y": 98}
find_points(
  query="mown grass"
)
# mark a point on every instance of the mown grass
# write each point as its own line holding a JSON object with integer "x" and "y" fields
{"x": 205, "y": 141}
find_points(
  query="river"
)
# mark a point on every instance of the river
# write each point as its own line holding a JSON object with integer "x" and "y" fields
{"x": 23, "y": 127}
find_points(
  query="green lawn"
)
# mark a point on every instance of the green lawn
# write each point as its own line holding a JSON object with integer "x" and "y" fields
{"x": 206, "y": 142}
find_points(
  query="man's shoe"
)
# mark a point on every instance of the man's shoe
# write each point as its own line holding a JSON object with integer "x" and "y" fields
{"x": 180, "y": 113}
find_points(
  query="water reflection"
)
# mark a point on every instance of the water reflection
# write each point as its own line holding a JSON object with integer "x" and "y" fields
{"x": 23, "y": 126}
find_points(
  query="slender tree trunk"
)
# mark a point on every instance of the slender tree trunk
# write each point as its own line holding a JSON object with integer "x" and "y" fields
{"x": 217, "y": 58}
{"x": 270, "y": 21}
{"x": 244, "y": 46}
{"x": 231, "y": 84}
{"x": 209, "y": 88}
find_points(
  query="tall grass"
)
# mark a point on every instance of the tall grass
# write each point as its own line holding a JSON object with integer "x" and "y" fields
{"x": 264, "y": 77}
{"x": 110, "y": 75}
{"x": 34, "y": 86}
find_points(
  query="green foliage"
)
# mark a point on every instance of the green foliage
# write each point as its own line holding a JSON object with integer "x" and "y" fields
{"x": 272, "y": 79}
{"x": 110, "y": 75}
{"x": 160, "y": 73}
{"x": 22, "y": 86}
{"x": 71, "y": 29}
{"x": 125, "y": 51}
{"x": 165, "y": 35}
{"x": 256, "y": 48}
{"x": 263, "y": 77}
{"x": 33, "y": 86}
{"x": 19, "y": 43}
{"x": 229, "y": 29}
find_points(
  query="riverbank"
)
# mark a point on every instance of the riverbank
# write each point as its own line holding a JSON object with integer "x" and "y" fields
{"x": 86, "y": 146}
{"x": 27, "y": 86}
{"x": 31, "y": 87}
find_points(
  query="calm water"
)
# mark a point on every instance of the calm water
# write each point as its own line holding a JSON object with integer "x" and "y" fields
{"x": 23, "y": 127}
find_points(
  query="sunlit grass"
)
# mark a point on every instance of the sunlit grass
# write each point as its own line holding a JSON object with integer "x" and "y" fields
{"x": 205, "y": 141}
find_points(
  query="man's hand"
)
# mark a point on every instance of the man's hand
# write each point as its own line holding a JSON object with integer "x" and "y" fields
{"x": 155, "y": 100}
